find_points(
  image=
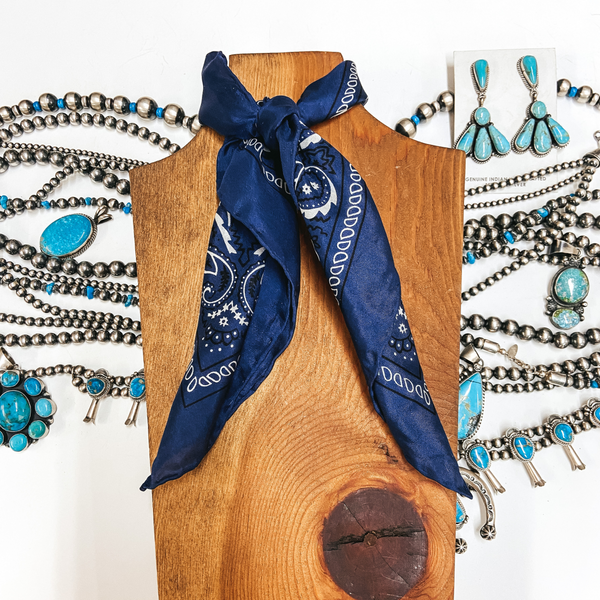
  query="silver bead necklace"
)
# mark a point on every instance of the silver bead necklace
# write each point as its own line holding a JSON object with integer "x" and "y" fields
{"x": 26, "y": 408}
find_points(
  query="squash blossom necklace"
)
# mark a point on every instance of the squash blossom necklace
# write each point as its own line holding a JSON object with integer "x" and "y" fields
{"x": 550, "y": 233}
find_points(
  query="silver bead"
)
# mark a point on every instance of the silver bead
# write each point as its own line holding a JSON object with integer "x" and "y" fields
{"x": 563, "y": 86}
{"x": 406, "y": 128}
{"x": 594, "y": 99}
{"x": 154, "y": 138}
{"x": 48, "y": 102}
{"x": 446, "y": 100}
{"x": 26, "y": 107}
{"x": 584, "y": 93}
{"x": 425, "y": 111}
{"x": 195, "y": 125}
{"x": 73, "y": 101}
{"x": 6, "y": 114}
{"x": 98, "y": 102}
{"x": 173, "y": 115}
{"x": 146, "y": 108}
{"x": 121, "y": 105}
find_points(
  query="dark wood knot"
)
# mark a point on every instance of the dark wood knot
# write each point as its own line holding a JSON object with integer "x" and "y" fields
{"x": 375, "y": 545}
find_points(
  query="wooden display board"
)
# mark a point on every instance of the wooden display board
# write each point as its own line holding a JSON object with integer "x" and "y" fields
{"x": 305, "y": 495}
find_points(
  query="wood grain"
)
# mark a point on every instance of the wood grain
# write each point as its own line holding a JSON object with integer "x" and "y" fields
{"x": 248, "y": 523}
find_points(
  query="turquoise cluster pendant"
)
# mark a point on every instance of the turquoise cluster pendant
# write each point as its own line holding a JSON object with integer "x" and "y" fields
{"x": 26, "y": 409}
{"x": 569, "y": 289}
{"x": 481, "y": 139}
{"x": 72, "y": 235}
{"x": 540, "y": 132}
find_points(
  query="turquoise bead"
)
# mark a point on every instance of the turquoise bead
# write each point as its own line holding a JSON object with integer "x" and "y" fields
{"x": 137, "y": 388}
{"x": 543, "y": 212}
{"x": 571, "y": 286}
{"x": 482, "y": 116}
{"x": 66, "y": 235}
{"x": 479, "y": 457}
{"x": 471, "y": 258}
{"x": 33, "y": 386}
{"x": 470, "y": 405}
{"x": 529, "y": 69}
{"x": 466, "y": 141}
{"x": 14, "y": 411}
{"x": 45, "y": 407}
{"x": 564, "y": 432}
{"x": 18, "y": 442}
{"x": 37, "y": 430}
{"x": 538, "y": 110}
{"x": 500, "y": 143}
{"x": 524, "y": 447}
{"x": 460, "y": 514}
{"x": 525, "y": 135}
{"x": 541, "y": 138}
{"x": 508, "y": 236}
{"x": 481, "y": 71}
{"x": 89, "y": 292}
{"x": 565, "y": 318}
{"x": 10, "y": 378}
{"x": 483, "y": 145}
{"x": 559, "y": 134}
{"x": 95, "y": 386}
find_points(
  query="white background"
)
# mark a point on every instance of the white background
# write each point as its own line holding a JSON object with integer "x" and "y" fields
{"x": 74, "y": 525}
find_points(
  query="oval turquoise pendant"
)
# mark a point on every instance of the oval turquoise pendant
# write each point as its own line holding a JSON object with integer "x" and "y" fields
{"x": 570, "y": 286}
{"x": 565, "y": 318}
{"x": 137, "y": 388}
{"x": 68, "y": 236}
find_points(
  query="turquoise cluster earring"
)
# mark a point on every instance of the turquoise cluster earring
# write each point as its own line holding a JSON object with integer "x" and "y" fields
{"x": 540, "y": 132}
{"x": 481, "y": 140}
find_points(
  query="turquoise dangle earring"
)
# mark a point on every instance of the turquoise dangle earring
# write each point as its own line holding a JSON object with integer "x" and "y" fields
{"x": 480, "y": 139}
{"x": 539, "y": 131}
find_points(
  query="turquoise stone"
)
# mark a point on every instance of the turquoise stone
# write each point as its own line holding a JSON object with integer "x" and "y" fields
{"x": 564, "y": 432}
{"x": 529, "y": 69}
{"x": 571, "y": 286}
{"x": 559, "y": 134}
{"x": 542, "y": 142}
{"x": 66, "y": 235}
{"x": 565, "y": 318}
{"x": 460, "y": 514}
{"x": 33, "y": 386}
{"x": 95, "y": 386}
{"x": 597, "y": 414}
{"x": 500, "y": 143}
{"x": 1, "y": 438}
{"x": 538, "y": 110}
{"x": 482, "y": 116}
{"x": 470, "y": 405}
{"x": 524, "y": 137}
{"x": 10, "y": 378}
{"x": 479, "y": 457}
{"x": 14, "y": 411}
{"x": 481, "y": 71}
{"x": 466, "y": 141}
{"x": 18, "y": 442}
{"x": 37, "y": 430}
{"x": 44, "y": 407}
{"x": 524, "y": 447}
{"x": 483, "y": 145}
{"x": 137, "y": 387}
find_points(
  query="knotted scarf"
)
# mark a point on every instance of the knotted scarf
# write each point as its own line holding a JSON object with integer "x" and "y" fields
{"x": 272, "y": 166}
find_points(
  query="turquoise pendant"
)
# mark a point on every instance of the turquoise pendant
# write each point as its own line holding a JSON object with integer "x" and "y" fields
{"x": 480, "y": 139}
{"x": 26, "y": 409}
{"x": 539, "y": 132}
{"x": 137, "y": 393}
{"x": 461, "y": 514}
{"x": 470, "y": 406}
{"x": 562, "y": 434}
{"x": 523, "y": 449}
{"x": 569, "y": 289}
{"x": 478, "y": 458}
{"x": 593, "y": 410}
{"x": 98, "y": 387}
{"x": 72, "y": 235}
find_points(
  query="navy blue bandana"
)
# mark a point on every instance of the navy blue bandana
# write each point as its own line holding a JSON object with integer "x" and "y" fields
{"x": 272, "y": 166}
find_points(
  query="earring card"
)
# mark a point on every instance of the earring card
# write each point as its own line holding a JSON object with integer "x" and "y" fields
{"x": 507, "y": 100}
